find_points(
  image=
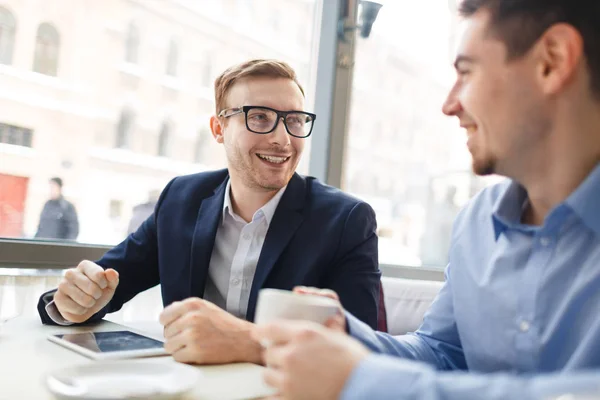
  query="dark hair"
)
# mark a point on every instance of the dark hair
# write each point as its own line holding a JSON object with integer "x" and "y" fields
{"x": 58, "y": 181}
{"x": 520, "y": 23}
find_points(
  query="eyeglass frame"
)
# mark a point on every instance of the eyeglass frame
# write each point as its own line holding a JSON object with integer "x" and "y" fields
{"x": 280, "y": 115}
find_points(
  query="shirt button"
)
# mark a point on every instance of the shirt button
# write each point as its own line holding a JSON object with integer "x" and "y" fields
{"x": 235, "y": 282}
{"x": 545, "y": 241}
{"x": 524, "y": 326}
{"x": 246, "y": 237}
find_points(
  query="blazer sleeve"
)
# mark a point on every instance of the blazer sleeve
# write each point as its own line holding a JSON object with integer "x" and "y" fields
{"x": 136, "y": 261}
{"x": 355, "y": 275}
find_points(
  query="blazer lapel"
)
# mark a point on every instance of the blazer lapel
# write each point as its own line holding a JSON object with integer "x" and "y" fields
{"x": 285, "y": 222}
{"x": 203, "y": 241}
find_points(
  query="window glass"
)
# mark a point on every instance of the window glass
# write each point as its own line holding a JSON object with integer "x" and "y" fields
{"x": 404, "y": 157}
{"x": 120, "y": 102}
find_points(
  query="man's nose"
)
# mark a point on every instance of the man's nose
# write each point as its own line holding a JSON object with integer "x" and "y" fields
{"x": 452, "y": 106}
{"x": 280, "y": 134}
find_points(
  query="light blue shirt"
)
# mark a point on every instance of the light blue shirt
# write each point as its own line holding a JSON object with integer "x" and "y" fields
{"x": 518, "y": 316}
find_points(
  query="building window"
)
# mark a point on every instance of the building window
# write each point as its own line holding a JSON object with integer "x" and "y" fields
{"x": 163, "y": 139}
{"x": 115, "y": 209}
{"x": 275, "y": 20}
{"x": 201, "y": 141}
{"x": 172, "y": 58}
{"x": 8, "y": 26}
{"x": 15, "y": 135}
{"x": 124, "y": 129}
{"x": 47, "y": 45}
{"x": 206, "y": 71}
{"x": 132, "y": 44}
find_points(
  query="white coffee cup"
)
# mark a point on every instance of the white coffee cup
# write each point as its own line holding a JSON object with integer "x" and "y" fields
{"x": 275, "y": 304}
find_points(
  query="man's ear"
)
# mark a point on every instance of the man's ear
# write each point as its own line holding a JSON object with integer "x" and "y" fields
{"x": 216, "y": 128}
{"x": 560, "y": 52}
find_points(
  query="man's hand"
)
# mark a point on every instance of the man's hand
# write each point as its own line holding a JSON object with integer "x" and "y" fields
{"x": 307, "y": 361}
{"x": 198, "y": 332}
{"x": 84, "y": 291}
{"x": 337, "y": 322}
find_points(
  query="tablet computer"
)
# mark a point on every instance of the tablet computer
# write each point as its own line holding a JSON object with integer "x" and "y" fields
{"x": 110, "y": 345}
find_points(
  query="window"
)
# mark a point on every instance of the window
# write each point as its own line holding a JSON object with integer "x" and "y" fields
{"x": 8, "y": 27}
{"x": 275, "y": 19}
{"x": 47, "y": 47}
{"x": 115, "y": 209}
{"x": 124, "y": 129}
{"x": 15, "y": 135}
{"x": 172, "y": 58}
{"x": 132, "y": 44}
{"x": 412, "y": 166}
{"x": 207, "y": 71}
{"x": 201, "y": 145}
{"x": 163, "y": 139}
{"x": 97, "y": 127}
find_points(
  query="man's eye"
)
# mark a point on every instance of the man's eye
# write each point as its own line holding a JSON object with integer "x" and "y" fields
{"x": 258, "y": 117}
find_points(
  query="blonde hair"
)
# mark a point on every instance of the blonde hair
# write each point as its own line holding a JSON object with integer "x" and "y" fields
{"x": 252, "y": 68}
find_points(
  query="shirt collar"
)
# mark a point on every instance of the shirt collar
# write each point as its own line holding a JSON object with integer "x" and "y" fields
{"x": 268, "y": 210}
{"x": 508, "y": 209}
{"x": 584, "y": 200}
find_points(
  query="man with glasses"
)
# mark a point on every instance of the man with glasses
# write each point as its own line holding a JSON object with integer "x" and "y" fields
{"x": 216, "y": 238}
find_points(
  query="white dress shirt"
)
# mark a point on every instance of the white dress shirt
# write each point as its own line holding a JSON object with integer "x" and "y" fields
{"x": 233, "y": 261}
{"x": 235, "y": 254}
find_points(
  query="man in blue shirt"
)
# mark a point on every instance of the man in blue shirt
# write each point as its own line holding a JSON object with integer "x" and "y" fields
{"x": 519, "y": 314}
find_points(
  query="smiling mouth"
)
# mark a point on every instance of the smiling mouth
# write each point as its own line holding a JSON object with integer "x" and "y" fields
{"x": 469, "y": 129}
{"x": 273, "y": 159}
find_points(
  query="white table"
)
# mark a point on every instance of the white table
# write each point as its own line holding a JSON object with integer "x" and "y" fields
{"x": 26, "y": 356}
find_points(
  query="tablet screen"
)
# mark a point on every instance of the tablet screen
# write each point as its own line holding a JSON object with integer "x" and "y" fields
{"x": 107, "y": 342}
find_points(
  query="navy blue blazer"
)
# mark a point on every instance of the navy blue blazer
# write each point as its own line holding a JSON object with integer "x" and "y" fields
{"x": 319, "y": 236}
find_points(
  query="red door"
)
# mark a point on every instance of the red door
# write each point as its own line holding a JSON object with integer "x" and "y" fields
{"x": 13, "y": 192}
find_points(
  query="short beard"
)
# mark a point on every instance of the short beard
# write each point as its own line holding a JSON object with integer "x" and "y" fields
{"x": 489, "y": 168}
{"x": 253, "y": 179}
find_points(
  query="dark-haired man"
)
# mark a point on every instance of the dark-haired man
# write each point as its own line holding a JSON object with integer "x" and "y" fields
{"x": 518, "y": 315}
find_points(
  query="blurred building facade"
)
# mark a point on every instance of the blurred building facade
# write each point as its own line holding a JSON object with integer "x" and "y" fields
{"x": 406, "y": 158}
{"x": 115, "y": 96}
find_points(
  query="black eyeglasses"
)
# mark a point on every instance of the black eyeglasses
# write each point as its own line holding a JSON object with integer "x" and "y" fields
{"x": 264, "y": 120}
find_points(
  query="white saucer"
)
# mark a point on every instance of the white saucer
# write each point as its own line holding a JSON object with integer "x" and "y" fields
{"x": 123, "y": 380}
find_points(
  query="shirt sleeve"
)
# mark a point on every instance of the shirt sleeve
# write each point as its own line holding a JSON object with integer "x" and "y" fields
{"x": 55, "y": 316}
{"x": 384, "y": 377}
{"x": 436, "y": 342}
